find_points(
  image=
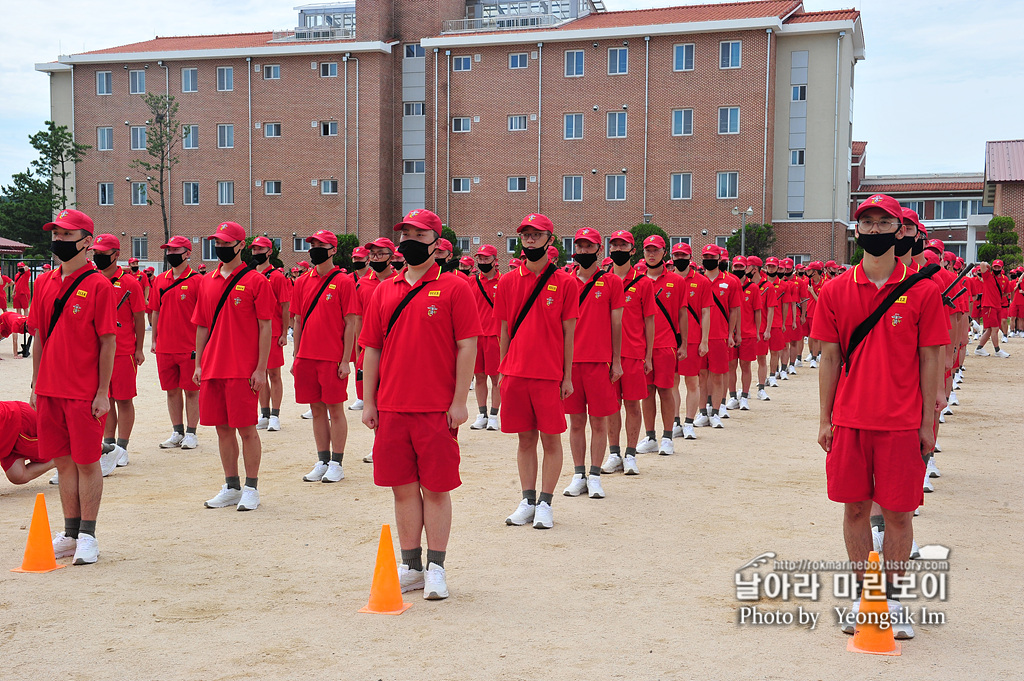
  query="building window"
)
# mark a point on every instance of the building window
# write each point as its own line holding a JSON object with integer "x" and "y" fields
{"x": 329, "y": 69}
{"x": 104, "y": 139}
{"x": 271, "y": 129}
{"x": 415, "y": 167}
{"x": 139, "y": 194}
{"x": 104, "y": 83}
{"x": 618, "y": 60}
{"x": 728, "y": 185}
{"x": 568, "y": 245}
{"x": 573, "y": 126}
{"x": 462, "y": 124}
{"x": 518, "y": 61}
{"x": 573, "y": 63}
{"x": 728, "y": 120}
{"x": 138, "y": 137}
{"x": 462, "y": 63}
{"x": 226, "y": 136}
{"x": 517, "y": 122}
{"x": 190, "y": 137}
{"x": 328, "y": 128}
{"x": 106, "y": 193}
{"x": 414, "y": 108}
{"x": 799, "y": 93}
{"x": 276, "y": 240}
{"x": 300, "y": 245}
{"x": 140, "y": 247}
{"x": 673, "y": 240}
{"x": 615, "y": 187}
{"x": 136, "y": 82}
{"x": 272, "y": 187}
{"x": 721, "y": 241}
{"x": 190, "y": 193}
{"x": 796, "y": 157}
{"x": 616, "y": 124}
{"x": 683, "y": 58}
{"x": 460, "y": 185}
{"x": 209, "y": 249}
{"x": 328, "y": 187}
{"x": 950, "y": 210}
{"x": 682, "y": 186}
{"x": 190, "y": 80}
{"x": 412, "y": 51}
{"x": 225, "y": 78}
{"x": 682, "y": 122}
{"x": 729, "y": 54}
{"x": 916, "y": 206}
{"x": 795, "y": 214}
{"x": 272, "y": 72}
{"x": 464, "y": 243}
{"x": 511, "y": 243}
{"x": 572, "y": 188}
{"x": 225, "y": 193}
{"x": 517, "y": 184}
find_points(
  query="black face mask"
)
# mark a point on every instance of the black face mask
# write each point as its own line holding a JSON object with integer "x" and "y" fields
{"x": 772, "y": 274}
{"x": 485, "y": 267}
{"x": 226, "y": 253}
{"x": 904, "y": 245}
{"x": 443, "y": 264}
{"x": 535, "y": 254}
{"x": 586, "y": 260}
{"x": 398, "y": 264}
{"x": 260, "y": 258}
{"x": 739, "y": 274}
{"x": 917, "y": 248}
{"x": 103, "y": 261}
{"x": 620, "y": 258}
{"x": 379, "y": 266}
{"x": 415, "y": 252}
{"x": 65, "y": 250}
{"x": 710, "y": 264}
{"x": 465, "y": 270}
{"x": 681, "y": 264}
{"x": 175, "y": 259}
{"x": 135, "y": 268}
{"x": 750, "y": 275}
{"x": 876, "y": 244}
{"x": 358, "y": 265}
{"x": 996, "y": 270}
{"x": 318, "y": 255}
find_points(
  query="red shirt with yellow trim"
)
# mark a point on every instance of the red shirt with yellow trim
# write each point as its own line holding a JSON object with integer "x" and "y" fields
{"x": 176, "y": 332}
{"x": 22, "y": 282}
{"x": 698, "y": 297}
{"x": 233, "y": 350}
{"x": 12, "y": 322}
{"x": 725, "y": 289}
{"x": 323, "y": 334}
{"x": 125, "y": 284}
{"x": 18, "y": 429}
{"x": 282, "y": 294}
{"x": 670, "y": 289}
{"x": 638, "y": 299}
{"x": 490, "y": 324}
{"x": 592, "y": 341}
{"x": 750, "y": 298}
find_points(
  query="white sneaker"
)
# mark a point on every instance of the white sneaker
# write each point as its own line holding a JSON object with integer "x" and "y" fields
{"x": 250, "y": 500}
{"x": 629, "y": 465}
{"x": 798, "y": 363}
{"x": 190, "y": 441}
{"x": 577, "y": 486}
{"x": 334, "y": 473}
{"x": 716, "y": 421}
{"x": 981, "y": 352}
{"x": 877, "y": 539}
{"x": 612, "y": 463}
{"x": 368, "y": 458}
{"x": 953, "y": 399}
{"x": 928, "y": 486}
{"x": 173, "y": 441}
{"x": 688, "y": 433}
{"x": 275, "y": 424}
{"x": 809, "y": 358}
{"x": 915, "y": 550}
{"x": 492, "y": 423}
{"x": 701, "y": 421}
{"x": 901, "y": 630}
{"x": 763, "y": 396}
{"x": 55, "y": 480}
{"x": 409, "y": 580}
{"x": 942, "y": 418}
{"x": 317, "y": 474}
{"x": 813, "y": 364}
{"x": 647, "y": 446}
{"x": 522, "y": 515}
{"x": 435, "y": 586}
{"x": 723, "y": 413}
{"x": 772, "y": 382}
{"x": 733, "y": 403}
{"x": 356, "y": 406}
{"x": 937, "y": 447}
{"x": 63, "y": 545}
{"x": 542, "y": 517}
{"x": 308, "y": 415}
{"x": 744, "y": 404}
{"x": 933, "y": 470}
{"x": 666, "y": 448}
{"x": 226, "y": 497}
{"x": 87, "y": 551}
{"x": 784, "y": 376}
{"x": 1001, "y": 353}
{"x": 263, "y": 423}
{"x": 677, "y": 430}
{"x": 594, "y": 487}
{"x": 792, "y": 370}
{"x": 108, "y": 461}
{"x": 123, "y": 459}
{"x": 480, "y": 423}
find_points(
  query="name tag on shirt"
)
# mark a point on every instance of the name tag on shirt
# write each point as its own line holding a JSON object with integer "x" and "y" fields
{"x": 239, "y": 287}
{"x": 552, "y": 287}
{"x": 901, "y": 299}
{"x": 433, "y": 294}
{"x": 332, "y": 286}
{"x": 598, "y": 283}
{"x": 81, "y": 294}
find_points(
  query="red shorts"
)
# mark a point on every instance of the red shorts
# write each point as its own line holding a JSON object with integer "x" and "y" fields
{"x": 734, "y": 352}
{"x": 25, "y": 446}
{"x": 748, "y": 349}
{"x": 416, "y": 447}
{"x": 990, "y": 317}
{"x": 20, "y": 301}
{"x": 176, "y": 371}
{"x": 792, "y": 335}
{"x": 803, "y": 330}
{"x": 1016, "y": 310}
{"x": 633, "y": 384}
{"x": 276, "y": 357}
{"x": 531, "y": 404}
{"x": 67, "y": 427}
{"x": 778, "y": 340}
{"x": 592, "y": 390}
{"x": 122, "y": 378}
{"x": 488, "y": 356}
{"x": 717, "y": 359}
{"x": 880, "y": 465}
{"x": 228, "y": 402}
{"x": 663, "y": 375}
{"x": 690, "y": 365}
{"x": 316, "y": 380}
{"x": 1004, "y": 312}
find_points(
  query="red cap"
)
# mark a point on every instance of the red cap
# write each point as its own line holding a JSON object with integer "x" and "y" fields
{"x": 47, "y": 267}
{"x": 936, "y": 244}
{"x": 305, "y": 263}
{"x": 360, "y": 252}
{"x": 886, "y": 203}
{"x": 324, "y": 236}
{"x": 295, "y": 270}
{"x": 202, "y": 266}
{"x": 771, "y": 260}
{"x": 133, "y": 261}
{"x": 786, "y": 263}
{"x": 421, "y": 218}
{"x": 70, "y": 218}
{"x": 683, "y": 248}
{"x": 514, "y": 262}
{"x": 587, "y": 234}
{"x": 654, "y": 240}
{"x": 711, "y": 249}
{"x": 21, "y": 264}
{"x": 997, "y": 263}
{"x": 754, "y": 261}
{"x": 444, "y": 245}
{"x": 739, "y": 260}
{"x": 913, "y": 217}
{"x": 537, "y": 221}
{"x": 466, "y": 260}
{"x": 487, "y": 250}
{"x": 960, "y": 262}
{"x": 931, "y": 257}
{"x": 178, "y": 242}
{"x": 723, "y": 252}
{"x": 261, "y": 242}
{"x": 552, "y": 253}
{"x": 831, "y": 263}
{"x": 625, "y": 235}
{"x": 228, "y": 231}
{"x": 606, "y": 262}
{"x": 106, "y": 242}
{"x": 949, "y": 256}
{"x": 150, "y": 269}
{"x": 641, "y": 267}
{"x": 815, "y": 266}
{"x": 383, "y": 242}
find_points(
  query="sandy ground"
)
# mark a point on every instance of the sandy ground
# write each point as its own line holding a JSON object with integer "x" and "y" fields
{"x": 639, "y": 585}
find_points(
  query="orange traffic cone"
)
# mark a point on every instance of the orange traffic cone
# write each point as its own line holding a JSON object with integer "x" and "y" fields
{"x": 869, "y": 637}
{"x": 39, "y": 549}
{"x": 385, "y": 593}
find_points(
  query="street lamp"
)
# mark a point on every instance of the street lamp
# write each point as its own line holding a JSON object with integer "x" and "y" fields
{"x": 743, "y": 227}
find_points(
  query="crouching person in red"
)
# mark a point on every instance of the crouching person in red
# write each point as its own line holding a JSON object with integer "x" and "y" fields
{"x": 419, "y": 333}
{"x": 19, "y": 451}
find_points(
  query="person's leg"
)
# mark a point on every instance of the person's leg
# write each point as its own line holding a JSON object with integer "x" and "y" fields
{"x": 896, "y": 545}
{"x": 68, "y": 486}
{"x": 598, "y": 440}
{"x": 481, "y": 390}
{"x": 252, "y": 452}
{"x": 265, "y": 396}
{"x": 409, "y": 515}
{"x": 578, "y": 441}
{"x": 228, "y": 445}
{"x": 731, "y": 377}
{"x": 984, "y": 338}
{"x": 20, "y": 472}
{"x": 191, "y": 409}
{"x": 717, "y": 386}
{"x": 437, "y": 519}
{"x": 745, "y": 377}
{"x": 110, "y": 425}
{"x": 176, "y": 405}
{"x": 90, "y": 489}
{"x": 615, "y": 425}
{"x": 495, "y": 394}
{"x": 704, "y": 390}
{"x": 321, "y": 427}
{"x": 649, "y": 409}
{"x": 633, "y": 422}
{"x": 668, "y": 408}
{"x": 857, "y": 533}
{"x": 526, "y": 458}
{"x": 125, "y": 419}
{"x": 762, "y": 369}
{"x": 339, "y": 427}
{"x": 552, "y": 466}
{"x": 692, "y": 397}
{"x": 276, "y": 388}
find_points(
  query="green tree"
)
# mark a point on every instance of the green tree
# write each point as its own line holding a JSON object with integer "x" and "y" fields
{"x": 562, "y": 257}
{"x": 759, "y": 242}
{"x": 346, "y": 242}
{"x": 1001, "y": 238}
{"x": 58, "y": 155}
{"x": 641, "y": 232}
{"x": 275, "y": 253}
{"x": 449, "y": 233}
{"x": 858, "y": 255}
{"x": 163, "y": 137}
{"x": 25, "y": 206}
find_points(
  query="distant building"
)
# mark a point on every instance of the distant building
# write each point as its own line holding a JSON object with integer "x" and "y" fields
{"x": 1004, "y": 179}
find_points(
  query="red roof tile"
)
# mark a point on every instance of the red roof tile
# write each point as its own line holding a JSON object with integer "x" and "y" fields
{"x": 830, "y": 15}
{"x": 225, "y": 41}
{"x": 919, "y": 187}
{"x": 754, "y": 9}
{"x": 1004, "y": 161}
{"x": 859, "y": 147}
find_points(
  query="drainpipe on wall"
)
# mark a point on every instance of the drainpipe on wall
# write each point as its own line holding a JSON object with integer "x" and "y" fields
{"x": 167, "y": 92}
{"x": 647, "y": 82}
{"x": 435, "y": 128}
{"x": 448, "y": 153}
{"x": 356, "y": 60}
{"x": 344, "y": 59}
{"x": 764, "y": 168}
{"x": 540, "y": 71}
{"x": 248, "y": 70}
{"x": 835, "y": 149}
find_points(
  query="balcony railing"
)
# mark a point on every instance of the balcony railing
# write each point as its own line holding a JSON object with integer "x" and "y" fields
{"x": 315, "y": 33}
{"x": 500, "y": 23}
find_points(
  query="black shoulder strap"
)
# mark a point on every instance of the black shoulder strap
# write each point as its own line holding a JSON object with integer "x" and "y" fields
{"x": 668, "y": 318}
{"x": 862, "y": 330}
{"x": 747, "y": 285}
{"x": 483, "y": 291}
{"x": 590, "y": 285}
{"x": 541, "y": 281}
{"x": 176, "y": 284}
{"x": 319, "y": 294}
{"x": 721, "y": 308}
{"x": 402, "y": 304}
{"x": 58, "y": 305}
{"x": 633, "y": 283}
{"x": 224, "y": 297}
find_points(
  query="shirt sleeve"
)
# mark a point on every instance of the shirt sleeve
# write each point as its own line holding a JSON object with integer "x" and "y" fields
{"x": 349, "y": 298}
{"x": 201, "y": 313}
{"x": 570, "y": 300}
{"x": 646, "y": 290}
{"x": 933, "y": 323}
{"x": 372, "y": 334}
{"x": 263, "y": 297}
{"x": 501, "y": 299}
{"x": 137, "y": 298}
{"x": 825, "y": 327}
{"x": 616, "y": 298}
{"x": 106, "y": 310}
{"x": 35, "y": 311}
{"x": 154, "y": 296}
{"x": 735, "y": 295}
{"x": 704, "y": 294}
{"x": 465, "y": 316}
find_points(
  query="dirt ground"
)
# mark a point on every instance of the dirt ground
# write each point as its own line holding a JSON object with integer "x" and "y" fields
{"x": 639, "y": 585}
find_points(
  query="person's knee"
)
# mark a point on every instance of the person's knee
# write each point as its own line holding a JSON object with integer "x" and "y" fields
{"x": 17, "y": 475}
{"x": 528, "y": 440}
{"x": 857, "y": 511}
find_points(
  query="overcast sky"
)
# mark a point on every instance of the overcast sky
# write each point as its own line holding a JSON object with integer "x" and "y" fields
{"x": 941, "y": 76}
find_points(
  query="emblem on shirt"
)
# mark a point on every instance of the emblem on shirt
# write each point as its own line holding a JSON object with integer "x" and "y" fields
{"x": 896, "y": 319}
{"x": 597, "y": 294}
{"x": 668, "y": 294}
{"x": 76, "y": 309}
{"x": 432, "y": 310}
{"x": 183, "y": 296}
{"x": 328, "y": 297}
{"x": 550, "y": 301}
{"x": 236, "y": 300}
{"x": 629, "y": 298}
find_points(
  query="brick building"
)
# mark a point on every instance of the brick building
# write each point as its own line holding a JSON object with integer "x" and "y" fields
{"x": 1004, "y": 179}
{"x": 482, "y": 113}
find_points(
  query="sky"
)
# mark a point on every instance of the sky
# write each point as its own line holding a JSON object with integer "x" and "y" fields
{"x": 941, "y": 77}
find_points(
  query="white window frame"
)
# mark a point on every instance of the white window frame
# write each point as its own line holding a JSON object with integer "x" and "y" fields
{"x": 190, "y": 193}
{"x": 515, "y": 119}
{"x": 617, "y": 50}
{"x": 271, "y": 72}
{"x": 414, "y": 107}
{"x": 190, "y": 133}
{"x": 462, "y": 124}
{"x": 104, "y": 83}
{"x": 225, "y": 187}
{"x": 619, "y": 179}
{"x": 521, "y": 59}
{"x": 104, "y": 134}
{"x": 191, "y": 79}
{"x": 520, "y": 181}
{"x": 462, "y": 62}
{"x": 718, "y": 184}
{"x": 799, "y": 93}
{"x": 729, "y": 120}
{"x": 138, "y": 135}
{"x": 140, "y": 194}
{"x": 580, "y": 63}
{"x": 511, "y": 243}
{"x": 137, "y": 78}
{"x": 693, "y": 56}
{"x": 608, "y": 121}
{"x": 575, "y": 128}
{"x": 209, "y": 250}
{"x": 105, "y": 190}
{"x": 672, "y": 187}
{"x": 419, "y": 166}
{"x": 797, "y": 157}
{"x": 269, "y": 128}
{"x": 225, "y": 79}
{"x": 268, "y": 185}
{"x": 300, "y": 245}
{"x": 331, "y": 71}
{"x": 328, "y": 187}
{"x": 414, "y": 51}
{"x": 673, "y": 240}
{"x": 682, "y": 122}
{"x": 224, "y": 131}
{"x": 330, "y": 126}
{"x": 461, "y": 185}
{"x": 739, "y": 58}
{"x": 140, "y": 247}
{"x": 575, "y": 192}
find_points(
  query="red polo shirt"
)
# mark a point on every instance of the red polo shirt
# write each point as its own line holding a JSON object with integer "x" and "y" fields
{"x": 725, "y": 289}
{"x": 698, "y": 296}
{"x": 417, "y": 362}
{"x": 282, "y": 294}
{"x": 175, "y": 330}
{"x": 234, "y": 348}
{"x": 490, "y": 324}
{"x": 592, "y": 341}
{"x": 882, "y": 391}
{"x": 537, "y": 349}
{"x": 638, "y": 298}
{"x": 69, "y": 364}
{"x": 772, "y": 300}
{"x": 991, "y": 291}
{"x": 750, "y": 297}
{"x": 11, "y": 322}
{"x": 125, "y": 284}
{"x": 812, "y": 304}
{"x": 21, "y": 282}
{"x": 323, "y": 334}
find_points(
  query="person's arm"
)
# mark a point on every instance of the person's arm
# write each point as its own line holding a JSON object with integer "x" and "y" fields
{"x": 465, "y": 361}
{"x": 351, "y": 325}
{"x": 768, "y": 324}
{"x": 140, "y": 337}
{"x": 286, "y": 320}
{"x": 371, "y": 364}
{"x": 757, "y": 324}
{"x": 152, "y": 341}
{"x": 616, "y": 368}
{"x": 35, "y": 367}
{"x": 705, "y": 330}
{"x": 649, "y": 349}
{"x": 734, "y": 326}
{"x": 828, "y": 378}
{"x": 503, "y": 341}
{"x": 259, "y": 376}
{"x": 684, "y": 332}
{"x": 101, "y": 403}
{"x": 202, "y": 335}
{"x": 568, "y": 332}
{"x": 931, "y": 367}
